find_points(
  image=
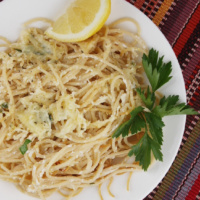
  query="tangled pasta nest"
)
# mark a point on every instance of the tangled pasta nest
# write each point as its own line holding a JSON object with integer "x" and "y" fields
{"x": 67, "y": 99}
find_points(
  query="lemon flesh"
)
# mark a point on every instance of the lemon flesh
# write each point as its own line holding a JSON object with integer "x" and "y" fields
{"x": 82, "y": 19}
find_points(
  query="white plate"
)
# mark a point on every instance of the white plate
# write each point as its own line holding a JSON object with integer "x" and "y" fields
{"x": 14, "y": 13}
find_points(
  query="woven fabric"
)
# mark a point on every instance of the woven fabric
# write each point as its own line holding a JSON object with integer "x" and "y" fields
{"x": 179, "y": 21}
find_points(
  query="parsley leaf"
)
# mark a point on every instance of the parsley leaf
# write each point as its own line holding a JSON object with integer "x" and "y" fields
{"x": 155, "y": 125}
{"x": 137, "y": 124}
{"x": 156, "y": 70}
{"x": 142, "y": 151}
{"x": 152, "y": 139}
{"x": 148, "y": 99}
{"x": 169, "y": 106}
{"x": 125, "y": 127}
{"x": 23, "y": 149}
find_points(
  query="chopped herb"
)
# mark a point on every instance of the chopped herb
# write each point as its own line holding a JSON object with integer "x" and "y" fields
{"x": 19, "y": 50}
{"x": 39, "y": 53}
{"x": 92, "y": 183}
{"x": 133, "y": 63}
{"x": 23, "y": 149}
{"x": 50, "y": 117}
{"x": 150, "y": 121}
{"x": 4, "y": 105}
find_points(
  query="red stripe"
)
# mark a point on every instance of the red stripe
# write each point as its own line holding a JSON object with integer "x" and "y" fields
{"x": 194, "y": 20}
{"x": 194, "y": 190}
{"x": 191, "y": 104}
{"x": 191, "y": 77}
{"x": 139, "y": 3}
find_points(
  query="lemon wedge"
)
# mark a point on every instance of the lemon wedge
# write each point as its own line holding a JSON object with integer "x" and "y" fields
{"x": 82, "y": 19}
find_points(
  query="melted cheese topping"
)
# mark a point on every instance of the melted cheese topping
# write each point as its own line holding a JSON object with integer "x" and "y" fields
{"x": 65, "y": 109}
{"x": 39, "y": 113}
{"x": 36, "y": 120}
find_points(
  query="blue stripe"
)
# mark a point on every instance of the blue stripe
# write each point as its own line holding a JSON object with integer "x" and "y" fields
{"x": 185, "y": 167}
{"x": 190, "y": 181}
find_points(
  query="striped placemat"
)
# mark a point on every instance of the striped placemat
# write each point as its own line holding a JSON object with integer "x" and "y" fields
{"x": 179, "y": 21}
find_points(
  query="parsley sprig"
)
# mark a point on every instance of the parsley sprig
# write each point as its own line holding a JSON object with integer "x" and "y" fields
{"x": 149, "y": 118}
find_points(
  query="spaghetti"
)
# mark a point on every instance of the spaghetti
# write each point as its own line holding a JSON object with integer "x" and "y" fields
{"x": 67, "y": 99}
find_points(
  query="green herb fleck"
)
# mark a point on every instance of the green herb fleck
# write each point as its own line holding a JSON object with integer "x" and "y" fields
{"x": 133, "y": 63}
{"x": 23, "y": 149}
{"x": 50, "y": 117}
{"x": 19, "y": 50}
{"x": 4, "y": 105}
